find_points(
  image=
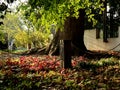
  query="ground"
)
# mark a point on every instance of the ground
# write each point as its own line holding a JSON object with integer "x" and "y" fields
{"x": 90, "y": 54}
{"x": 97, "y": 70}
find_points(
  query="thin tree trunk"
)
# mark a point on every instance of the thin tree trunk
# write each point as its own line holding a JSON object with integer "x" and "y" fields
{"x": 111, "y": 24}
{"x": 97, "y": 33}
{"x": 105, "y": 23}
{"x": 53, "y": 48}
{"x": 65, "y": 53}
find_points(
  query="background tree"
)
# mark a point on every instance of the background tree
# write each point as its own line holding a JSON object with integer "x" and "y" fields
{"x": 3, "y": 10}
{"x": 10, "y": 27}
{"x": 114, "y": 17}
{"x": 21, "y": 32}
{"x": 14, "y": 25}
{"x": 3, "y": 7}
{"x": 107, "y": 22}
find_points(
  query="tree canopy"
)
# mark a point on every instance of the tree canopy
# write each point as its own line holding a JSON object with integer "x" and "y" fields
{"x": 44, "y": 13}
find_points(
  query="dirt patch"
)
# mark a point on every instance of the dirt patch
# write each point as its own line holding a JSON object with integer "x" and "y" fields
{"x": 89, "y": 54}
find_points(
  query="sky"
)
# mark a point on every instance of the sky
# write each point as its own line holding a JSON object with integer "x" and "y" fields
{"x": 14, "y": 5}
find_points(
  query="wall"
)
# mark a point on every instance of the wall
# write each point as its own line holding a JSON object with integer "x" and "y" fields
{"x": 97, "y": 44}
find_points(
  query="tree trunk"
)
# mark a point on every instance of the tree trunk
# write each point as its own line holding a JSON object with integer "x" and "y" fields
{"x": 53, "y": 48}
{"x": 72, "y": 40}
{"x": 111, "y": 23}
{"x": 105, "y": 23}
{"x": 97, "y": 33}
{"x": 74, "y": 31}
{"x": 77, "y": 29}
{"x": 65, "y": 53}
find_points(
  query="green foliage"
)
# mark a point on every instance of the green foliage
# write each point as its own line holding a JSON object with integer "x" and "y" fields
{"x": 14, "y": 27}
{"x": 2, "y": 37}
{"x": 10, "y": 27}
{"x": 108, "y": 61}
{"x": 21, "y": 38}
{"x": 47, "y": 12}
{"x": 39, "y": 38}
{"x": 36, "y": 38}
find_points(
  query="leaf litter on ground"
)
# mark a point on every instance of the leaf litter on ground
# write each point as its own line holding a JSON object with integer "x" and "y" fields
{"x": 44, "y": 72}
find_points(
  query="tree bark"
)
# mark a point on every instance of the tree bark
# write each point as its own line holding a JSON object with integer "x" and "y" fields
{"x": 77, "y": 29}
{"x": 74, "y": 31}
{"x": 53, "y": 48}
{"x": 72, "y": 40}
{"x": 65, "y": 53}
{"x": 105, "y": 23}
{"x": 97, "y": 33}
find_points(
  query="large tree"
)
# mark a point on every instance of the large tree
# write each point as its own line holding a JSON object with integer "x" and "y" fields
{"x": 44, "y": 13}
{"x": 68, "y": 18}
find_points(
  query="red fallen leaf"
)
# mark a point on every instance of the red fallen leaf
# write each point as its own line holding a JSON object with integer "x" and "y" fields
{"x": 22, "y": 58}
{"x": 74, "y": 63}
{"x": 37, "y": 64}
{"x": 11, "y": 63}
{"x": 37, "y": 68}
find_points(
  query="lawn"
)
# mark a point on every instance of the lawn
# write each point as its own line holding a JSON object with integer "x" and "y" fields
{"x": 44, "y": 73}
